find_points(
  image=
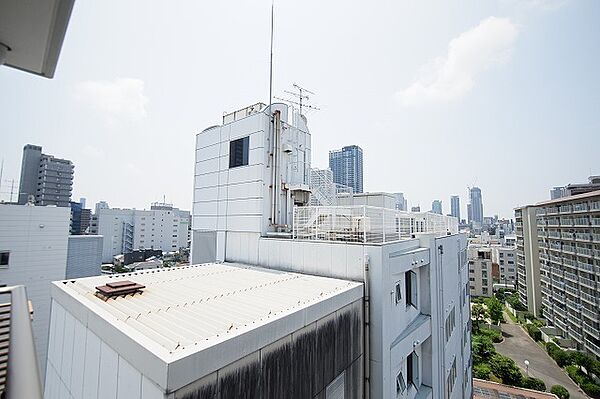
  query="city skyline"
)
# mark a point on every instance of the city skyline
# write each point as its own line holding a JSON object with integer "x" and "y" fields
{"x": 138, "y": 101}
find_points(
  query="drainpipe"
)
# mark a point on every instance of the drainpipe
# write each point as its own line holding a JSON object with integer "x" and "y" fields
{"x": 367, "y": 332}
{"x": 23, "y": 378}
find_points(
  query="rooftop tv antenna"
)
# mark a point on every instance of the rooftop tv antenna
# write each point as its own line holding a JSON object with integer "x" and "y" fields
{"x": 301, "y": 96}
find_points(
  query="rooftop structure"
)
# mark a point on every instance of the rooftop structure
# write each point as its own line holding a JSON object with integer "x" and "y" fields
{"x": 192, "y": 329}
{"x": 491, "y": 390}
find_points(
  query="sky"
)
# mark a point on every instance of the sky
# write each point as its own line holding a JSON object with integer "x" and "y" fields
{"x": 503, "y": 95}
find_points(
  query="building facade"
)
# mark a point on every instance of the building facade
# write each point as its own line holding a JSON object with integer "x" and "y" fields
{"x": 413, "y": 267}
{"x": 124, "y": 230}
{"x": 480, "y": 270}
{"x": 46, "y": 179}
{"x": 401, "y": 202}
{"x": 475, "y": 207}
{"x": 80, "y": 218}
{"x": 455, "y": 206}
{"x": 568, "y": 232}
{"x": 528, "y": 259}
{"x": 84, "y": 256}
{"x": 33, "y": 252}
{"x": 505, "y": 257}
{"x": 347, "y": 167}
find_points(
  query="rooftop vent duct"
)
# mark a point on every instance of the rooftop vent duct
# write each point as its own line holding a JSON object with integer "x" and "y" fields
{"x": 118, "y": 288}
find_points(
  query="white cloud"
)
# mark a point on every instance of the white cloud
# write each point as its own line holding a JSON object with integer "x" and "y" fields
{"x": 119, "y": 98}
{"x": 450, "y": 77}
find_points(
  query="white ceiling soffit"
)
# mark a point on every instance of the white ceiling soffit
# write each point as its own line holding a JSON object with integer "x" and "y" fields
{"x": 34, "y": 31}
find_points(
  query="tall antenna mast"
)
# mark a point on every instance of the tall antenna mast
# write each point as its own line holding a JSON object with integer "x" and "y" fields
{"x": 271, "y": 59}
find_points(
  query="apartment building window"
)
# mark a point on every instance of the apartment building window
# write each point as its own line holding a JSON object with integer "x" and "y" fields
{"x": 4, "y": 258}
{"x": 398, "y": 292}
{"x": 450, "y": 323}
{"x": 400, "y": 384}
{"x": 471, "y": 278}
{"x": 412, "y": 369}
{"x": 410, "y": 282}
{"x": 484, "y": 290}
{"x": 451, "y": 379}
{"x": 238, "y": 152}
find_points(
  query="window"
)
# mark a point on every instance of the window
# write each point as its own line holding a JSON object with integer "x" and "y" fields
{"x": 400, "y": 384}
{"x": 450, "y": 323}
{"x": 451, "y": 379}
{"x": 238, "y": 152}
{"x": 485, "y": 290}
{"x": 412, "y": 369}
{"x": 398, "y": 293}
{"x": 4, "y": 255}
{"x": 410, "y": 282}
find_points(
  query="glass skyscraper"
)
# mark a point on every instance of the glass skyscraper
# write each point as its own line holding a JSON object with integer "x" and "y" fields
{"x": 475, "y": 206}
{"x": 347, "y": 167}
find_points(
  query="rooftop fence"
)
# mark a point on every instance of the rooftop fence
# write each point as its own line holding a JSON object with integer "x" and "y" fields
{"x": 366, "y": 224}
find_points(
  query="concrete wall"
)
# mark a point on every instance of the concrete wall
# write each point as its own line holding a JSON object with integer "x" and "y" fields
{"x": 81, "y": 365}
{"x": 84, "y": 256}
{"x": 300, "y": 365}
{"x": 37, "y": 239}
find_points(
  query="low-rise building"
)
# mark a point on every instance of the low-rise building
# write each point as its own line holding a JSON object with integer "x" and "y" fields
{"x": 505, "y": 258}
{"x": 194, "y": 331}
{"x": 163, "y": 227}
{"x": 480, "y": 270}
{"x": 33, "y": 253}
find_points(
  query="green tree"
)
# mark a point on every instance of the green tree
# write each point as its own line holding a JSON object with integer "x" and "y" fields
{"x": 506, "y": 368}
{"x": 560, "y": 391}
{"x": 478, "y": 314}
{"x": 495, "y": 310}
{"x": 482, "y": 371}
{"x": 533, "y": 383}
{"x": 482, "y": 348}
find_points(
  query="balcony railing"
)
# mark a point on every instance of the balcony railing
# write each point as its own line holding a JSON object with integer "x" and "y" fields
{"x": 591, "y": 314}
{"x": 588, "y": 328}
{"x": 366, "y": 224}
{"x": 592, "y": 347}
{"x": 588, "y": 298}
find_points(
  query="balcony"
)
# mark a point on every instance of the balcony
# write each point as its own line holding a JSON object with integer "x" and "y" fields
{"x": 566, "y": 222}
{"x": 590, "y": 314}
{"x": 588, "y": 298}
{"x": 560, "y": 324}
{"x": 587, "y": 282}
{"x": 589, "y": 329}
{"x": 571, "y": 290}
{"x": 547, "y": 302}
{"x": 580, "y": 207}
{"x": 571, "y": 277}
{"x": 583, "y": 237}
{"x": 584, "y": 251}
{"x": 574, "y": 306}
{"x": 565, "y": 209}
{"x": 592, "y": 347}
{"x": 576, "y": 335}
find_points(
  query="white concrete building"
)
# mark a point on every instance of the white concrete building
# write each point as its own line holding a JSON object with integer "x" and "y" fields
{"x": 33, "y": 253}
{"x": 413, "y": 265}
{"x": 480, "y": 270}
{"x": 200, "y": 331}
{"x": 506, "y": 259}
{"x": 528, "y": 259}
{"x": 162, "y": 227}
{"x": 378, "y": 199}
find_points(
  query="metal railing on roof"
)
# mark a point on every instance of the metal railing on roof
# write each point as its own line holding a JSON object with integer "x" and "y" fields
{"x": 366, "y": 224}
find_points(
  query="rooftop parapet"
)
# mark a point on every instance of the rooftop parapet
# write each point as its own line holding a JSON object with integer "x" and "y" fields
{"x": 366, "y": 224}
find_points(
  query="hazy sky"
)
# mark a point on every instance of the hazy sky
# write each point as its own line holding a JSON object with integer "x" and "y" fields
{"x": 440, "y": 95}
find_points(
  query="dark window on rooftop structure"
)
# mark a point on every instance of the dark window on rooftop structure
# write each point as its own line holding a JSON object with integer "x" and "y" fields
{"x": 238, "y": 152}
{"x": 4, "y": 255}
{"x": 410, "y": 286}
{"x": 412, "y": 369}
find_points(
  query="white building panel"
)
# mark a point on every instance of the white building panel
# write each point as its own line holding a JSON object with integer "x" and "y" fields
{"x": 108, "y": 372}
{"x": 129, "y": 381}
{"x": 92, "y": 365}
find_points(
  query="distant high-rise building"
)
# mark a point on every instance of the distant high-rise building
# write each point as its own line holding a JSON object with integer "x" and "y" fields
{"x": 415, "y": 209}
{"x": 80, "y": 218}
{"x": 347, "y": 167}
{"x": 401, "y": 203}
{"x": 48, "y": 180}
{"x": 475, "y": 207}
{"x": 436, "y": 207}
{"x": 101, "y": 205}
{"x": 455, "y": 206}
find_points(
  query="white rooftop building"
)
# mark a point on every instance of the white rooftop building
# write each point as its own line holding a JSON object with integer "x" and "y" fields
{"x": 196, "y": 330}
{"x": 249, "y": 208}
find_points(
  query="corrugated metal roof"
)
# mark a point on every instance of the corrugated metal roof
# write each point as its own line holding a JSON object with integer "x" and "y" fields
{"x": 185, "y": 306}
